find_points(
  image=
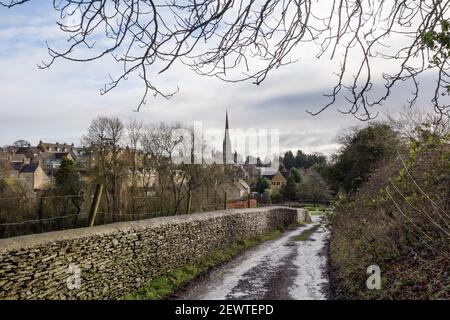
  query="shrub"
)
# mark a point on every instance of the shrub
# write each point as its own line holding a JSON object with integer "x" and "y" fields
{"x": 276, "y": 197}
{"x": 398, "y": 220}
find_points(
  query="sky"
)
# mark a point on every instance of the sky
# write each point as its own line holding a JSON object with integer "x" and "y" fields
{"x": 57, "y": 105}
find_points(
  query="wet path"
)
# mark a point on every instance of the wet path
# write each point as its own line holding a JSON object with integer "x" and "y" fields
{"x": 284, "y": 268}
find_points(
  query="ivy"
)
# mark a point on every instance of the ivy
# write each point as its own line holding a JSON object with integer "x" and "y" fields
{"x": 439, "y": 42}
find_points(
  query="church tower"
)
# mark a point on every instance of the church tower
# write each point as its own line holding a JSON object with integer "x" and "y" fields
{"x": 226, "y": 151}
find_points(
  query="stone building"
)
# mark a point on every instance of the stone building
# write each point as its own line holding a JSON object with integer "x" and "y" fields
{"x": 277, "y": 178}
{"x": 55, "y": 147}
{"x": 52, "y": 160}
{"x": 34, "y": 176}
{"x": 237, "y": 190}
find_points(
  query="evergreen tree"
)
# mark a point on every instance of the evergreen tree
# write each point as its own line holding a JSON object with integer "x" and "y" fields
{"x": 295, "y": 174}
{"x": 289, "y": 160}
{"x": 65, "y": 173}
{"x": 289, "y": 190}
{"x": 301, "y": 160}
{"x": 67, "y": 182}
{"x": 262, "y": 184}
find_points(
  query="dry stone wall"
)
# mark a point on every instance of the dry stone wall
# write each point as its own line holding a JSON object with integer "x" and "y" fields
{"x": 303, "y": 216}
{"x": 106, "y": 262}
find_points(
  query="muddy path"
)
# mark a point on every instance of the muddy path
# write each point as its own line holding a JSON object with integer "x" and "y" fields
{"x": 283, "y": 268}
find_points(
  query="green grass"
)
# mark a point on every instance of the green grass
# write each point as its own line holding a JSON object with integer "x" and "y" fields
{"x": 305, "y": 235}
{"x": 163, "y": 286}
{"x": 316, "y": 208}
{"x": 316, "y": 213}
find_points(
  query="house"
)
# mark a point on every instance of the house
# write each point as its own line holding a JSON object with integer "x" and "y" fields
{"x": 12, "y": 170}
{"x": 237, "y": 190}
{"x": 4, "y": 157}
{"x": 19, "y": 158}
{"x": 28, "y": 152}
{"x": 277, "y": 178}
{"x": 12, "y": 163}
{"x": 81, "y": 156}
{"x": 33, "y": 175}
{"x": 54, "y": 147}
{"x": 144, "y": 179}
{"x": 52, "y": 160}
{"x": 245, "y": 187}
{"x": 48, "y": 156}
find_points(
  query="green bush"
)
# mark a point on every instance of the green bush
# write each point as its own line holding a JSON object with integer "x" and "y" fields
{"x": 276, "y": 197}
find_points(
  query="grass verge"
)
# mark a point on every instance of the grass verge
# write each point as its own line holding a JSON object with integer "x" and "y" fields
{"x": 316, "y": 213}
{"x": 163, "y": 286}
{"x": 305, "y": 235}
{"x": 319, "y": 208}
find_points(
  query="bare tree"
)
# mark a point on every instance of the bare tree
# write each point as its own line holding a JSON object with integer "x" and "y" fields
{"x": 134, "y": 135}
{"x": 160, "y": 144}
{"x": 21, "y": 143}
{"x": 215, "y": 37}
{"x": 193, "y": 167}
{"x": 104, "y": 138}
{"x": 5, "y": 167}
{"x": 412, "y": 124}
{"x": 214, "y": 180}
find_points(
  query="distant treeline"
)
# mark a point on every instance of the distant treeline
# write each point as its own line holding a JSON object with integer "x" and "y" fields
{"x": 302, "y": 160}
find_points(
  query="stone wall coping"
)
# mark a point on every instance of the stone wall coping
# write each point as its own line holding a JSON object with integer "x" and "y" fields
{"x": 39, "y": 239}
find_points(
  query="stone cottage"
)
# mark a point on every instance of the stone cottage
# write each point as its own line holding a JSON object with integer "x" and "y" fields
{"x": 34, "y": 176}
{"x": 277, "y": 178}
{"x": 237, "y": 190}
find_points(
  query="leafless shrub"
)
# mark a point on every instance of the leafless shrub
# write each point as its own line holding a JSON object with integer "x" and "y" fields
{"x": 400, "y": 220}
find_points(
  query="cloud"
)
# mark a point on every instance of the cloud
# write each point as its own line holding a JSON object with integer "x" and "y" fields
{"x": 58, "y": 104}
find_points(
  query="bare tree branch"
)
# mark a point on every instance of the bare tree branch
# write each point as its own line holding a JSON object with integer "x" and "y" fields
{"x": 220, "y": 38}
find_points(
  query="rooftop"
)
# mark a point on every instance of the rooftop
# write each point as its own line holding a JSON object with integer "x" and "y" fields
{"x": 29, "y": 168}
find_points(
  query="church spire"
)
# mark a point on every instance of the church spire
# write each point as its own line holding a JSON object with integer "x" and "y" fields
{"x": 227, "y": 155}
{"x": 226, "y": 120}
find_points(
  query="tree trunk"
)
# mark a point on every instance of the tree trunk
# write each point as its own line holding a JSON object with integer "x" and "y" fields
{"x": 189, "y": 199}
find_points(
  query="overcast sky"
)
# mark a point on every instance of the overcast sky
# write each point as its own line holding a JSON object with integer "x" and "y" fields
{"x": 57, "y": 105}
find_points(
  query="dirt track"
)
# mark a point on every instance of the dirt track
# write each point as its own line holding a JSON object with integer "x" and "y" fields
{"x": 283, "y": 268}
